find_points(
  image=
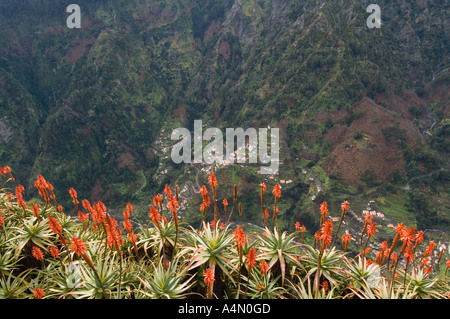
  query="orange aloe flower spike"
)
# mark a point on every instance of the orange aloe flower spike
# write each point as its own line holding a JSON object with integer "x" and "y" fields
{"x": 78, "y": 246}
{"x": 208, "y": 277}
{"x": 251, "y": 259}
{"x": 277, "y": 190}
{"x": 38, "y": 293}
{"x": 37, "y": 253}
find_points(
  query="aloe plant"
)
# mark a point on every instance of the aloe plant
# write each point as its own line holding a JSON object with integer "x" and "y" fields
{"x": 279, "y": 248}
{"x": 212, "y": 247}
{"x": 303, "y": 289}
{"x": 34, "y": 232}
{"x": 264, "y": 286}
{"x": 225, "y": 264}
{"x": 14, "y": 287}
{"x": 421, "y": 286}
{"x": 332, "y": 264}
{"x": 360, "y": 272}
{"x": 8, "y": 262}
{"x": 165, "y": 282}
{"x": 102, "y": 283}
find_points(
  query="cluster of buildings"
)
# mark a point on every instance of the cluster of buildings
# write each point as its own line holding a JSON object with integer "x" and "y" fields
{"x": 373, "y": 213}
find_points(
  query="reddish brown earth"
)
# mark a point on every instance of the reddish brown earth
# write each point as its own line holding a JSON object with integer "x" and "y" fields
{"x": 349, "y": 158}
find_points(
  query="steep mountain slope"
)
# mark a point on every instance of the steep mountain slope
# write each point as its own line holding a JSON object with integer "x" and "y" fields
{"x": 86, "y": 107}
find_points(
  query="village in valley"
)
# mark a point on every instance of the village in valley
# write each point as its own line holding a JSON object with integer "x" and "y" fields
{"x": 163, "y": 146}
{"x": 193, "y": 174}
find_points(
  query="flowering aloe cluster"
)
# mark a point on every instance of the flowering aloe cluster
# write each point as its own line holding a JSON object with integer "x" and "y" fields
{"x": 86, "y": 253}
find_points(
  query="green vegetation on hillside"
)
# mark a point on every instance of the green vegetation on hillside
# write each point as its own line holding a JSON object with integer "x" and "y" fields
{"x": 355, "y": 106}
